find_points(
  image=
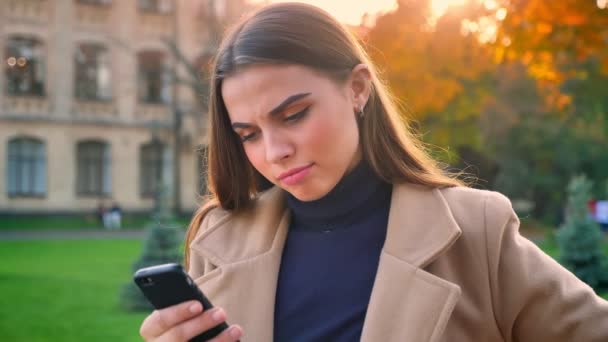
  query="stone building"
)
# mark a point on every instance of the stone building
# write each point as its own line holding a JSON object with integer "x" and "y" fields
{"x": 88, "y": 102}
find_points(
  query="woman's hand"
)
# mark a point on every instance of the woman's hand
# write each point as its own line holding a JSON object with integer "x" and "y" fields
{"x": 181, "y": 322}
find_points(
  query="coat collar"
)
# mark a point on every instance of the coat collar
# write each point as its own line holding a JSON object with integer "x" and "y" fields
{"x": 247, "y": 249}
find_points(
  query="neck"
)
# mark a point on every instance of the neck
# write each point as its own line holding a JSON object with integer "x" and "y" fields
{"x": 357, "y": 192}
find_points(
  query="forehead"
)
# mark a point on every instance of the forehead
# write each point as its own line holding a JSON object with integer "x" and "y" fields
{"x": 259, "y": 88}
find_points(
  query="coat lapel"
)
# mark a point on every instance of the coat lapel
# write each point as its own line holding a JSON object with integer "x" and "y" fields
{"x": 247, "y": 251}
{"x": 407, "y": 303}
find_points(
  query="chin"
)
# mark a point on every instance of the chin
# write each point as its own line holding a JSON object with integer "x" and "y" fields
{"x": 307, "y": 196}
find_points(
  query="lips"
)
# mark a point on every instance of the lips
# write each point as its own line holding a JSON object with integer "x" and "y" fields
{"x": 295, "y": 176}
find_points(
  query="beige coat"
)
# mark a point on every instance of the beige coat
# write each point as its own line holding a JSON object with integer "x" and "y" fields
{"x": 453, "y": 268}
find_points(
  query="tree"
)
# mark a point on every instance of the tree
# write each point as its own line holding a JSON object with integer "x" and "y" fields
{"x": 194, "y": 74}
{"x": 189, "y": 72}
{"x": 546, "y": 35}
{"x": 580, "y": 239}
{"x": 437, "y": 72}
{"x": 426, "y": 64}
{"x": 162, "y": 245}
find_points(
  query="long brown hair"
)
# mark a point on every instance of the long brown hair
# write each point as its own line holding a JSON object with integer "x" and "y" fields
{"x": 295, "y": 33}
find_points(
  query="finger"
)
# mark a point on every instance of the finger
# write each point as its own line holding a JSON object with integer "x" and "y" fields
{"x": 232, "y": 334}
{"x": 161, "y": 321}
{"x": 195, "y": 326}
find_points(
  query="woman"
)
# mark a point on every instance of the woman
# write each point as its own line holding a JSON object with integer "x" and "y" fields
{"x": 362, "y": 236}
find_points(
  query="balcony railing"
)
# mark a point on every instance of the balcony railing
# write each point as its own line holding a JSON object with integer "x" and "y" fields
{"x": 24, "y": 105}
{"x": 153, "y": 112}
{"x": 94, "y": 109}
{"x": 27, "y": 9}
{"x": 153, "y": 23}
{"x": 91, "y": 14}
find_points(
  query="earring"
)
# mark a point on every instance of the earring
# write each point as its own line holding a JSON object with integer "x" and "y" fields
{"x": 360, "y": 113}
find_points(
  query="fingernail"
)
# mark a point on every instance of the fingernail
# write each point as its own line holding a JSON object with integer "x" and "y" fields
{"x": 218, "y": 315}
{"x": 235, "y": 332}
{"x": 196, "y": 308}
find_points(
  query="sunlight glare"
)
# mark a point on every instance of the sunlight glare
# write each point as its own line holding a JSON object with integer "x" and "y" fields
{"x": 490, "y": 5}
{"x": 501, "y": 14}
{"x": 439, "y": 7}
{"x": 348, "y": 11}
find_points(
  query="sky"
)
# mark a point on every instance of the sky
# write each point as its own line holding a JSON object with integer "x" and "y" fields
{"x": 350, "y": 11}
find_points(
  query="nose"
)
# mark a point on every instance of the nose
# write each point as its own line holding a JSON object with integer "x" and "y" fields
{"x": 278, "y": 147}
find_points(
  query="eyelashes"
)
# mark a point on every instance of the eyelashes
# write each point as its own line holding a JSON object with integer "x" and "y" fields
{"x": 288, "y": 120}
{"x": 247, "y": 137}
{"x": 298, "y": 115}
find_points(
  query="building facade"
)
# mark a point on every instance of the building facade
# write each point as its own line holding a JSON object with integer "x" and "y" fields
{"x": 89, "y": 101}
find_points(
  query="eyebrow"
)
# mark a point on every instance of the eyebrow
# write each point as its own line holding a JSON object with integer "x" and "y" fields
{"x": 278, "y": 109}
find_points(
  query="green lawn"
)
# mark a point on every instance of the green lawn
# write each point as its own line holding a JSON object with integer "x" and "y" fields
{"x": 63, "y": 222}
{"x": 69, "y": 290}
{"x": 66, "y": 290}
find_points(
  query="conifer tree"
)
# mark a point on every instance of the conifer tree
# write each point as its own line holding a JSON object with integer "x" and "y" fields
{"x": 162, "y": 245}
{"x": 580, "y": 238}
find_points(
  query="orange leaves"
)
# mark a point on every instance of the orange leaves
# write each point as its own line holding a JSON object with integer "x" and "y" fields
{"x": 426, "y": 67}
{"x": 544, "y": 28}
{"x": 548, "y": 35}
{"x": 574, "y": 19}
{"x": 573, "y": 27}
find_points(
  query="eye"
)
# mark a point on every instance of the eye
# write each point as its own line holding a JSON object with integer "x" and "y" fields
{"x": 248, "y": 137}
{"x": 298, "y": 115}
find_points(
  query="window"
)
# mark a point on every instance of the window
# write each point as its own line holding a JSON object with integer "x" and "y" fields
{"x": 154, "y": 83}
{"x": 96, "y": 2}
{"x": 151, "y": 168}
{"x": 25, "y": 70}
{"x": 93, "y": 163}
{"x": 93, "y": 75}
{"x": 26, "y": 167}
{"x": 157, "y": 6}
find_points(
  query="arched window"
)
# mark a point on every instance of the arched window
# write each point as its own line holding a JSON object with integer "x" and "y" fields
{"x": 93, "y": 79}
{"x": 151, "y": 168}
{"x": 156, "y": 6}
{"x": 154, "y": 77}
{"x": 26, "y": 171}
{"x": 25, "y": 67}
{"x": 93, "y": 173}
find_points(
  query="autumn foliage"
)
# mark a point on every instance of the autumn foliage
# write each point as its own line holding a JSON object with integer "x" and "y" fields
{"x": 514, "y": 91}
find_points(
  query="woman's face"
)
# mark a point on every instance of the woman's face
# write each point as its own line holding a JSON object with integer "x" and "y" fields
{"x": 297, "y": 126}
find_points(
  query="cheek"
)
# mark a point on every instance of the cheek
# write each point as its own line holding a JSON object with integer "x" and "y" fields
{"x": 256, "y": 156}
{"x": 331, "y": 138}
{"x": 318, "y": 137}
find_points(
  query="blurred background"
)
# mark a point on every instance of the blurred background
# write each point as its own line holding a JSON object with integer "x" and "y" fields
{"x": 103, "y": 121}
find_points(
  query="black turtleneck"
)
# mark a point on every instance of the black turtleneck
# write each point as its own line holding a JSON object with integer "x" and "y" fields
{"x": 330, "y": 260}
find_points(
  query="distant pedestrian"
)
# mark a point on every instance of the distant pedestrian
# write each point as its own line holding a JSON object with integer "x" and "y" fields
{"x": 114, "y": 217}
{"x": 601, "y": 214}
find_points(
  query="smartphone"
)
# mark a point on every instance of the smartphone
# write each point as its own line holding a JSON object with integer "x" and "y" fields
{"x": 168, "y": 284}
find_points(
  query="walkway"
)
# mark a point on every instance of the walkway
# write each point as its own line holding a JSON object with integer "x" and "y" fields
{"x": 72, "y": 234}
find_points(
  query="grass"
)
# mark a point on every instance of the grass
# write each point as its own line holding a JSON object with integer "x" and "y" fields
{"x": 69, "y": 290}
{"x": 66, "y": 290}
{"x": 68, "y": 222}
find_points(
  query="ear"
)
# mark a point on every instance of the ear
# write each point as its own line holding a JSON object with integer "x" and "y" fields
{"x": 360, "y": 86}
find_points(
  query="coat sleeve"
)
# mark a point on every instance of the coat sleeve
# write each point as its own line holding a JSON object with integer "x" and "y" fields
{"x": 534, "y": 297}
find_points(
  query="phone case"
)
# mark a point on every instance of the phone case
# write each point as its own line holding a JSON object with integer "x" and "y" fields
{"x": 167, "y": 285}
